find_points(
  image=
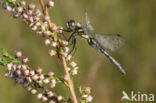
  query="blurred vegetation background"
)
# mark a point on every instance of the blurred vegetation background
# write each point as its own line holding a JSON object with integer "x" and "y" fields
{"x": 135, "y": 20}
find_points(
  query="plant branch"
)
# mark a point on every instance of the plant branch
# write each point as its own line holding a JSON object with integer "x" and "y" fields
{"x": 45, "y": 11}
{"x": 70, "y": 83}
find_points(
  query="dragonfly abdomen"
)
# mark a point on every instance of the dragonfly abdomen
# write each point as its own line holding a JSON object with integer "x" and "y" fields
{"x": 109, "y": 57}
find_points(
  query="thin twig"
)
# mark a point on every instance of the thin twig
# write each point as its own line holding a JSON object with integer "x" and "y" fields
{"x": 45, "y": 11}
{"x": 70, "y": 83}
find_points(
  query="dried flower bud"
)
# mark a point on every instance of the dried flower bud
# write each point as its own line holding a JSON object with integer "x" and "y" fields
{"x": 89, "y": 98}
{"x": 44, "y": 98}
{"x": 53, "y": 81}
{"x": 54, "y": 27}
{"x": 63, "y": 42}
{"x": 60, "y": 29}
{"x": 26, "y": 72}
{"x": 69, "y": 57}
{"x": 39, "y": 96}
{"x": 42, "y": 27}
{"x": 25, "y": 60}
{"x": 69, "y": 69}
{"x": 54, "y": 44}
{"x": 52, "y": 101}
{"x": 74, "y": 71}
{"x": 38, "y": 13}
{"x": 29, "y": 12}
{"x": 32, "y": 72}
{"x": 32, "y": 6}
{"x": 9, "y": 66}
{"x": 19, "y": 66}
{"x": 87, "y": 90}
{"x": 50, "y": 4}
{"x": 47, "y": 42}
{"x": 25, "y": 16}
{"x": 34, "y": 27}
{"x": 24, "y": 67}
{"x": 31, "y": 19}
{"x": 66, "y": 78}
{"x": 29, "y": 79}
{"x": 35, "y": 77}
{"x": 73, "y": 64}
{"x": 7, "y": 74}
{"x": 14, "y": 67}
{"x": 23, "y": 3}
{"x": 9, "y": 8}
{"x": 36, "y": 18}
{"x": 52, "y": 52}
{"x": 40, "y": 33}
{"x": 59, "y": 98}
{"x": 51, "y": 74}
{"x": 39, "y": 81}
{"x": 31, "y": 24}
{"x": 19, "y": 72}
{"x": 50, "y": 94}
{"x": 18, "y": 54}
{"x": 34, "y": 91}
{"x": 65, "y": 54}
{"x": 41, "y": 76}
{"x": 46, "y": 18}
{"x": 47, "y": 33}
{"x": 39, "y": 70}
{"x": 66, "y": 49}
{"x": 19, "y": 9}
{"x": 46, "y": 80}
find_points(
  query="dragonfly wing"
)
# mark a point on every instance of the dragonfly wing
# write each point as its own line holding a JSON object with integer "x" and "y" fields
{"x": 111, "y": 41}
{"x": 88, "y": 24}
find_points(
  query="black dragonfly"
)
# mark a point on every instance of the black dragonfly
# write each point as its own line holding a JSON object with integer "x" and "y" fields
{"x": 102, "y": 43}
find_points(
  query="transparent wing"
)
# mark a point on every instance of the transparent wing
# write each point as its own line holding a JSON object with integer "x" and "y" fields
{"x": 111, "y": 41}
{"x": 88, "y": 24}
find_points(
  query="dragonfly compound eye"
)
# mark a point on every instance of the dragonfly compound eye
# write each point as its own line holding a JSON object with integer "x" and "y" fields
{"x": 70, "y": 23}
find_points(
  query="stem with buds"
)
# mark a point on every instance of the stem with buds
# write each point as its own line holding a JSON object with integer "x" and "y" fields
{"x": 70, "y": 83}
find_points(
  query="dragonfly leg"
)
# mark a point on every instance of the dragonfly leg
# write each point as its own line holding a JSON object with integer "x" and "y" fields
{"x": 71, "y": 36}
{"x": 74, "y": 46}
{"x": 64, "y": 36}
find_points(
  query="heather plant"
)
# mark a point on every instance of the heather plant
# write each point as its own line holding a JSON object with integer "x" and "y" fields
{"x": 35, "y": 80}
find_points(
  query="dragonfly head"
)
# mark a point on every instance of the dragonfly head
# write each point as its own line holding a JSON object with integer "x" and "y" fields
{"x": 71, "y": 24}
{"x": 75, "y": 27}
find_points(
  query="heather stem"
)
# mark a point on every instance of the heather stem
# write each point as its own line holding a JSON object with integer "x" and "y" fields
{"x": 45, "y": 11}
{"x": 70, "y": 83}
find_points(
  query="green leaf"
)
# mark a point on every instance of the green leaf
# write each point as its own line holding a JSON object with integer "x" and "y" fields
{"x": 6, "y": 54}
{"x": 3, "y": 61}
{"x": 80, "y": 89}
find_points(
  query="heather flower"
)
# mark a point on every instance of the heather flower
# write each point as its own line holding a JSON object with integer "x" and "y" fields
{"x": 18, "y": 54}
{"x": 35, "y": 80}
{"x": 50, "y": 4}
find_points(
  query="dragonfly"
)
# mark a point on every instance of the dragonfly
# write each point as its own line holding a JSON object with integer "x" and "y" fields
{"x": 102, "y": 43}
